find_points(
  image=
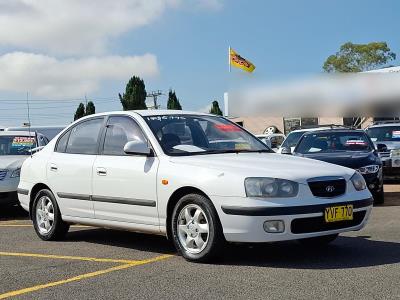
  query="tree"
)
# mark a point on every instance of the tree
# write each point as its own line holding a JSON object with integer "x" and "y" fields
{"x": 215, "y": 109}
{"x": 135, "y": 95}
{"x": 359, "y": 57}
{"x": 90, "y": 108}
{"x": 80, "y": 112}
{"x": 173, "y": 101}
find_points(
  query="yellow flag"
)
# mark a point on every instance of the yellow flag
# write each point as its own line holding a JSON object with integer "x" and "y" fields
{"x": 239, "y": 62}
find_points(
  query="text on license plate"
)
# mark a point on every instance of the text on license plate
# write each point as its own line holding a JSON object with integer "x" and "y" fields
{"x": 339, "y": 213}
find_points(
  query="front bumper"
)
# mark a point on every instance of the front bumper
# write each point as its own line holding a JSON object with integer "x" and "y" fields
{"x": 8, "y": 190}
{"x": 390, "y": 172}
{"x": 245, "y": 223}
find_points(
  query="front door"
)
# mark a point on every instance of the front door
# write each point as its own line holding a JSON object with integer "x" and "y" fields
{"x": 124, "y": 186}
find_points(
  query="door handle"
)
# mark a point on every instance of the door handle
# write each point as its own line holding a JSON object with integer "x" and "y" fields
{"x": 53, "y": 167}
{"x": 101, "y": 171}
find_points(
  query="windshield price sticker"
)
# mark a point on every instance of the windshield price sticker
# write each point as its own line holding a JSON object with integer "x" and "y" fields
{"x": 355, "y": 142}
{"x": 22, "y": 141}
{"x": 161, "y": 118}
{"x": 396, "y": 134}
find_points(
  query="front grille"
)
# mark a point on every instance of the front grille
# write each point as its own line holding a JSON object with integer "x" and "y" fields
{"x": 327, "y": 188}
{"x": 3, "y": 174}
{"x": 318, "y": 224}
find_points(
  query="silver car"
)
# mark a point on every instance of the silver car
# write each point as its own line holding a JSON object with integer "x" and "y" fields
{"x": 15, "y": 147}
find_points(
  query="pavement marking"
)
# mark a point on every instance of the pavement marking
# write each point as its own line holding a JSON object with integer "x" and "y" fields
{"x": 82, "y": 258}
{"x": 132, "y": 263}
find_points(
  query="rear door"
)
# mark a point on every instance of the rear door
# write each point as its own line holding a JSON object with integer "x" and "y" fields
{"x": 69, "y": 169}
{"x": 124, "y": 186}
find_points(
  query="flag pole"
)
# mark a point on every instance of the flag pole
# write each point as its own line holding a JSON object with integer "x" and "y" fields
{"x": 229, "y": 58}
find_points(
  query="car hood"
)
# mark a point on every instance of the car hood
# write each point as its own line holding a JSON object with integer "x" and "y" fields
{"x": 266, "y": 165}
{"x": 11, "y": 162}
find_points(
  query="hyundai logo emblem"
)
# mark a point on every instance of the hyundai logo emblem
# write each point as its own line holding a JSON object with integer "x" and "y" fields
{"x": 330, "y": 188}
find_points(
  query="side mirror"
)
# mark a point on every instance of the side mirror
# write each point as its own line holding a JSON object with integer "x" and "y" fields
{"x": 286, "y": 150}
{"x": 381, "y": 148}
{"x": 137, "y": 148}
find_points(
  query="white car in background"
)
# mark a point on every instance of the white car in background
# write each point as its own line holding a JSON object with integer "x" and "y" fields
{"x": 272, "y": 140}
{"x": 199, "y": 179}
{"x": 15, "y": 147}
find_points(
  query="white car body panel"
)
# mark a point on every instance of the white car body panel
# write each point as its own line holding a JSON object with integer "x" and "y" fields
{"x": 219, "y": 176}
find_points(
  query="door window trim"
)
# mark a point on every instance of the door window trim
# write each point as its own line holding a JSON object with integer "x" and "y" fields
{"x": 103, "y": 136}
{"x": 69, "y": 130}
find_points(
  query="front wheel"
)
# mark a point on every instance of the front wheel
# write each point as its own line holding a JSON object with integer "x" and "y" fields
{"x": 46, "y": 217}
{"x": 379, "y": 197}
{"x": 196, "y": 230}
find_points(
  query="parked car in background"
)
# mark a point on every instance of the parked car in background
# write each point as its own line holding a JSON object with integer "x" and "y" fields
{"x": 294, "y": 136}
{"x": 386, "y": 137}
{"x": 48, "y": 131}
{"x": 349, "y": 148}
{"x": 15, "y": 147}
{"x": 200, "y": 179}
{"x": 273, "y": 140}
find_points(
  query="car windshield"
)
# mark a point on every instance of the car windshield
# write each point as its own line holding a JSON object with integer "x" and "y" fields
{"x": 292, "y": 139}
{"x": 181, "y": 135}
{"x": 384, "y": 133}
{"x": 16, "y": 145}
{"x": 323, "y": 142}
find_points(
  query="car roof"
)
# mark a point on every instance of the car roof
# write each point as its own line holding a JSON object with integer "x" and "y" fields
{"x": 310, "y": 129}
{"x": 336, "y": 130}
{"x": 145, "y": 113}
{"x": 17, "y": 133}
{"x": 384, "y": 125}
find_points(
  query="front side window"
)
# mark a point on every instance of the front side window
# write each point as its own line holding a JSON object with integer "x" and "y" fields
{"x": 292, "y": 139}
{"x": 384, "y": 133}
{"x": 84, "y": 137}
{"x": 119, "y": 131}
{"x": 194, "y": 134}
{"x": 16, "y": 145}
{"x": 324, "y": 142}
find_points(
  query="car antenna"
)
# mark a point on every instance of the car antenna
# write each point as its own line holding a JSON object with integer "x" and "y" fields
{"x": 29, "y": 119}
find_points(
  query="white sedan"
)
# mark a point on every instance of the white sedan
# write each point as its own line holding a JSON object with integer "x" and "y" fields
{"x": 199, "y": 179}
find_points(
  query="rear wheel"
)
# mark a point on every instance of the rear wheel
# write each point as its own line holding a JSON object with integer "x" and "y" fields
{"x": 319, "y": 240}
{"x": 46, "y": 217}
{"x": 196, "y": 229}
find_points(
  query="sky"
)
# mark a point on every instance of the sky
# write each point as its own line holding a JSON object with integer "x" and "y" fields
{"x": 56, "y": 52}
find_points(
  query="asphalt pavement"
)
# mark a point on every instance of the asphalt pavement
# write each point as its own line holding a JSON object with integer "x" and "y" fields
{"x": 94, "y": 263}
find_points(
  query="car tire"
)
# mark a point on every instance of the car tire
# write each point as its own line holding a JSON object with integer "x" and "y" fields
{"x": 46, "y": 217}
{"x": 271, "y": 129}
{"x": 319, "y": 240}
{"x": 196, "y": 229}
{"x": 379, "y": 198}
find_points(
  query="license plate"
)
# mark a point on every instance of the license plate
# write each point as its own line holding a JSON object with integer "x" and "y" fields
{"x": 339, "y": 213}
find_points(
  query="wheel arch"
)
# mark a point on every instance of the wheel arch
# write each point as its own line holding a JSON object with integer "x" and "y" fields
{"x": 35, "y": 189}
{"x": 174, "y": 198}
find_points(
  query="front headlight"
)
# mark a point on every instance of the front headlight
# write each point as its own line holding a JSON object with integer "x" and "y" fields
{"x": 358, "y": 181}
{"x": 270, "y": 187}
{"x": 369, "y": 169}
{"x": 16, "y": 173}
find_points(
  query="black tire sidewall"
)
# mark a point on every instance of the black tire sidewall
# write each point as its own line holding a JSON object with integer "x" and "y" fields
{"x": 57, "y": 217}
{"x": 214, "y": 237}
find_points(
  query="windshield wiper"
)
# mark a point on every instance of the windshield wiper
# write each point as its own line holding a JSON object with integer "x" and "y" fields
{"x": 235, "y": 151}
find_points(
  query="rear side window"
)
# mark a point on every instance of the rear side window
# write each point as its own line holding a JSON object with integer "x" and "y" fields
{"x": 62, "y": 142}
{"x": 84, "y": 137}
{"x": 120, "y": 130}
